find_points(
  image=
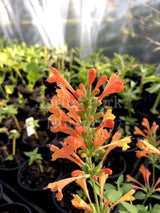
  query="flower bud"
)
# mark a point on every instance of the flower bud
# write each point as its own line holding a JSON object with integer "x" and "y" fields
{"x": 82, "y": 87}
{"x": 91, "y": 118}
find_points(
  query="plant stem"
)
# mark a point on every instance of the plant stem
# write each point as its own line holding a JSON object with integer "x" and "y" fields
{"x": 146, "y": 197}
{"x": 40, "y": 167}
{"x": 95, "y": 196}
{"x": 13, "y": 146}
{"x": 156, "y": 103}
{"x": 16, "y": 122}
{"x": 3, "y": 93}
{"x": 35, "y": 133}
{"x": 153, "y": 174}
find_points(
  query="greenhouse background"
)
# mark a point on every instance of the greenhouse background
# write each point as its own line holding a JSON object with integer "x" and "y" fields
{"x": 121, "y": 26}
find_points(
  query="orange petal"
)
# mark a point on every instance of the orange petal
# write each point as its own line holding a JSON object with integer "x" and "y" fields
{"x": 59, "y": 185}
{"x": 146, "y": 174}
{"x": 81, "y": 204}
{"x": 114, "y": 85}
{"x": 92, "y": 76}
{"x": 145, "y": 123}
{"x": 57, "y": 77}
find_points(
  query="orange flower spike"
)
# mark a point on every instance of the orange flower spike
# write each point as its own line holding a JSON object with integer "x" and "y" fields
{"x": 80, "y": 204}
{"x": 146, "y": 174}
{"x": 114, "y": 85}
{"x": 145, "y": 123}
{"x": 92, "y": 76}
{"x": 57, "y": 77}
{"x": 59, "y": 185}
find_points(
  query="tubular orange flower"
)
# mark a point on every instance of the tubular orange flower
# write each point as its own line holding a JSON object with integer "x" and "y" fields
{"x": 109, "y": 123}
{"x": 102, "y": 180}
{"x": 80, "y": 129}
{"x": 67, "y": 151}
{"x": 101, "y": 136}
{"x": 131, "y": 179}
{"x": 83, "y": 184}
{"x": 147, "y": 147}
{"x": 59, "y": 185}
{"x": 79, "y": 94}
{"x": 146, "y": 174}
{"x": 154, "y": 128}
{"x": 92, "y": 76}
{"x": 145, "y": 123}
{"x": 116, "y": 142}
{"x": 101, "y": 81}
{"x": 57, "y": 77}
{"x": 81, "y": 204}
{"x": 114, "y": 85}
{"x": 109, "y": 115}
{"x": 63, "y": 127}
{"x": 157, "y": 182}
{"x": 58, "y": 116}
{"x": 138, "y": 132}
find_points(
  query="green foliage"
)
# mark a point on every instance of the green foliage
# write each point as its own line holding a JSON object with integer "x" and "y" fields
{"x": 34, "y": 156}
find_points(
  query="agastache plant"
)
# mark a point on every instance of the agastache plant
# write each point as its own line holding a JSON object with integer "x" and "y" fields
{"x": 75, "y": 113}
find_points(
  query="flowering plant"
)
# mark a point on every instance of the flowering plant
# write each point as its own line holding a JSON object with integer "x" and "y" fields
{"x": 150, "y": 148}
{"x": 75, "y": 113}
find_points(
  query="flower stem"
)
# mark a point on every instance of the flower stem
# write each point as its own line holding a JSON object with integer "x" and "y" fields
{"x": 16, "y": 122}
{"x": 95, "y": 196}
{"x": 13, "y": 146}
{"x": 156, "y": 103}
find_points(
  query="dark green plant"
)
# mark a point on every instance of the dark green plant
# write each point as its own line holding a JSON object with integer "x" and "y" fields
{"x": 9, "y": 111}
{"x": 34, "y": 156}
{"x": 13, "y": 135}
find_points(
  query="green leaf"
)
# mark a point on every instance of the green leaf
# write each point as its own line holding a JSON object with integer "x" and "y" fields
{"x": 156, "y": 197}
{"x": 109, "y": 186}
{"x": 114, "y": 195}
{"x": 9, "y": 89}
{"x": 124, "y": 206}
{"x": 139, "y": 195}
{"x": 153, "y": 89}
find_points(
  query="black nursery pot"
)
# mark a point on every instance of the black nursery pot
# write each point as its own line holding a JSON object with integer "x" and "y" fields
{"x": 30, "y": 185}
{"x": 9, "y": 169}
{"x": 15, "y": 208}
{"x": 117, "y": 163}
{"x": 1, "y": 191}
